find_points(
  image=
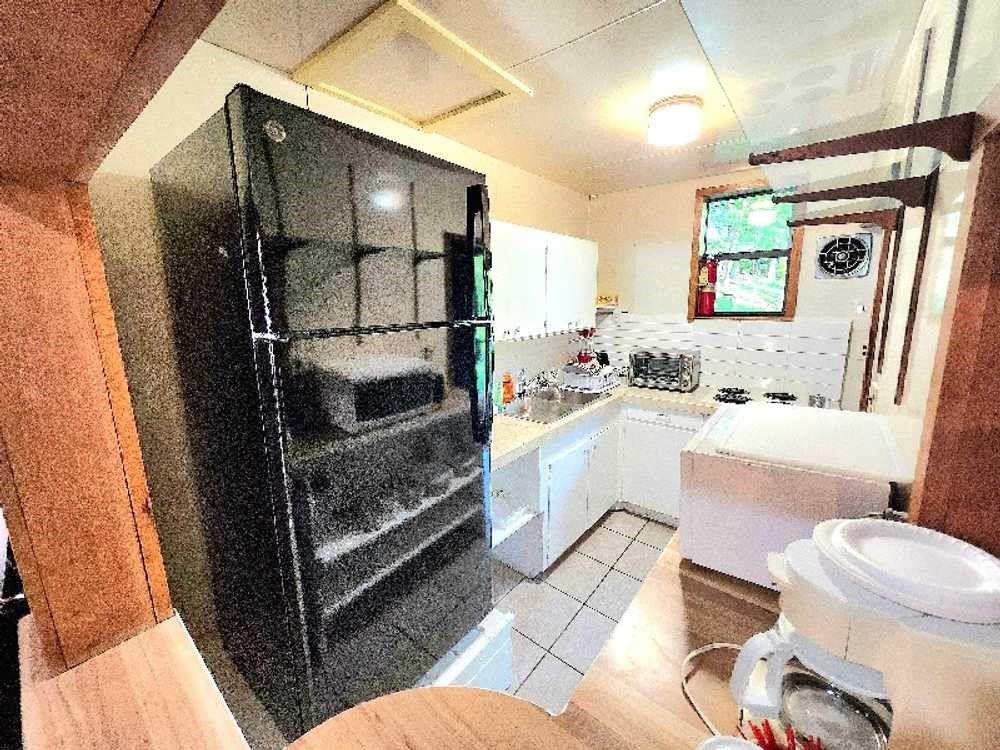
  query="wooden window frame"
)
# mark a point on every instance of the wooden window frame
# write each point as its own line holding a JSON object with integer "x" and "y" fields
{"x": 701, "y": 196}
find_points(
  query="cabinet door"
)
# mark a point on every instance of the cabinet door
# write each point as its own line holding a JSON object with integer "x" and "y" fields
{"x": 603, "y": 474}
{"x": 566, "y": 481}
{"x": 518, "y": 275}
{"x": 585, "y": 287}
{"x": 651, "y": 465}
{"x": 570, "y": 283}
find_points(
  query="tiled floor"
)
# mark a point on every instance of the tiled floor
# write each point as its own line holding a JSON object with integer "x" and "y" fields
{"x": 563, "y": 618}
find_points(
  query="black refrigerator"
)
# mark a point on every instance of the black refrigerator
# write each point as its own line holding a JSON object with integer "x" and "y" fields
{"x": 330, "y": 303}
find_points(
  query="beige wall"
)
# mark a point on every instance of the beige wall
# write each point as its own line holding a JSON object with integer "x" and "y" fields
{"x": 645, "y": 238}
{"x": 198, "y": 87}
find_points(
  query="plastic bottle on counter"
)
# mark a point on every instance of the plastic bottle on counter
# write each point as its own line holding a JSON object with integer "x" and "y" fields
{"x": 507, "y": 388}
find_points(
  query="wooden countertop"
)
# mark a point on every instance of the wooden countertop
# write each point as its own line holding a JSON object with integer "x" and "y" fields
{"x": 630, "y": 698}
{"x": 152, "y": 691}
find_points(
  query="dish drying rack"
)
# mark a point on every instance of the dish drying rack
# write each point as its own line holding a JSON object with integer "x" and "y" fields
{"x": 590, "y": 377}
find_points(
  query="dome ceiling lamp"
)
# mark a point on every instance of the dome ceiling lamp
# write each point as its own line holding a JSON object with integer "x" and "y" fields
{"x": 674, "y": 120}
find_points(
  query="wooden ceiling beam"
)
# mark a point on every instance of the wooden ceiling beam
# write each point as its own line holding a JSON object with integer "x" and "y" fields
{"x": 910, "y": 191}
{"x": 885, "y": 218}
{"x": 952, "y": 135}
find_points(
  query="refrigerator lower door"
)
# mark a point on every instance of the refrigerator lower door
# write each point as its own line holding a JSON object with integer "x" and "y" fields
{"x": 387, "y": 483}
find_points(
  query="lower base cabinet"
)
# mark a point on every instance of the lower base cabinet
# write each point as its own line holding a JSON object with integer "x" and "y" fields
{"x": 565, "y": 477}
{"x": 581, "y": 485}
{"x": 651, "y": 458}
{"x": 603, "y": 473}
{"x": 581, "y": 475}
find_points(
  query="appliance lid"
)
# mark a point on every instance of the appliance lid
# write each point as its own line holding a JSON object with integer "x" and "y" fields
{"x": 851, "y": 444}
{"x": 915, "y": 566}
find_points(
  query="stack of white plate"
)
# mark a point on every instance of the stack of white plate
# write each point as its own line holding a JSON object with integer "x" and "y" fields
{"x": 917, "y": 567}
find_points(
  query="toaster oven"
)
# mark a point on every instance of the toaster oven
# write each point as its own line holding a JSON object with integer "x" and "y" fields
{"x": 667, "y": 370}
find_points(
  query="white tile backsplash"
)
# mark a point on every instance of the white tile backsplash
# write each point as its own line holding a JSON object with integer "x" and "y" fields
{"x": 811, "y": 354}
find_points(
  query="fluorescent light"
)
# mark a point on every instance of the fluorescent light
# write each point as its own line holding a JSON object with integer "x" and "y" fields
{"x": 674, "y": 121}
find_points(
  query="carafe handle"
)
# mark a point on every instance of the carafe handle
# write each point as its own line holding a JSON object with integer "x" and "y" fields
{"x": 776, "y": 650}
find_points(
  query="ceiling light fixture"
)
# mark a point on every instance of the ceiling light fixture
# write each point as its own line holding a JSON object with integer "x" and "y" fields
{"x": 674, "y": 121}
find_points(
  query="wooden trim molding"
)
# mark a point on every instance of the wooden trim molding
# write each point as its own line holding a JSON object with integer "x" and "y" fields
{"x": 168, "y": 36}
{"x": 888, "y": 228}
{"x": 918, "y": 279}
{"x": 794, "y": 258}
{"x": 118, "y": 397}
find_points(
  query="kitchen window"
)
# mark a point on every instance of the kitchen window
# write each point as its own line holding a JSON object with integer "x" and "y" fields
{"x": 745, "y": 258}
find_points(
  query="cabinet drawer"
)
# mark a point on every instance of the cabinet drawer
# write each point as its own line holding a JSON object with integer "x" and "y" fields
{"x": 666, "y": 418}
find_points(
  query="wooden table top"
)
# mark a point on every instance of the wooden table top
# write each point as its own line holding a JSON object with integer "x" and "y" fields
{"x": 441, "y": 718}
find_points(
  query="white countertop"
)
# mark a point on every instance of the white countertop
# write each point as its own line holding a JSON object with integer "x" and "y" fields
{"x": 514, "y": 437}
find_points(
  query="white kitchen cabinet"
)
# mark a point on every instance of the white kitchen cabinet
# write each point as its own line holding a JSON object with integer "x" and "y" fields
{"x": 570, "y": 283}
{"x": 518, "y": 276}
{"x": 651, "y": 458}
{"x": 603, "y": 474}
{"x": 566, "y": 486}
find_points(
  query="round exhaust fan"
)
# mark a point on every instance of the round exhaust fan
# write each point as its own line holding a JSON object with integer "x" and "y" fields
{"x": 846, "y": 256}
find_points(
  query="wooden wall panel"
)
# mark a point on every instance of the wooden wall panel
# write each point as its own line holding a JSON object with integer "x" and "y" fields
{"x": 58, "y": 430}
{"x": 121, "y": 404}
{"x": 958, "y": 480}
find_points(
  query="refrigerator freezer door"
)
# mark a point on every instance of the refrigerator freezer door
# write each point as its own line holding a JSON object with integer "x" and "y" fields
{"x": 352, "y": 231}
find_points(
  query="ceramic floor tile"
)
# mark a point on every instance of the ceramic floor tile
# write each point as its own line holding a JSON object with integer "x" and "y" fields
{"x": 551, "y": 685}
{"x": 527, "y": 654}
{"x": 604, "y": 545}
{"x": 637, "y": 560}
{"x": 614, "y": 594}
{"x": 656, "y": 534}
{"x": 577, "y": 575}
{"x": 584, "y": 638}
{"x": 540, "y": 611}
{"x": 505, "y": 578}
{"x": 623, "y": 522}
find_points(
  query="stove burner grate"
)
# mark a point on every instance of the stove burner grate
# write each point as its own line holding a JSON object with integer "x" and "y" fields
{"x": 780, "y": 397}
{"x": 733, "y": 396}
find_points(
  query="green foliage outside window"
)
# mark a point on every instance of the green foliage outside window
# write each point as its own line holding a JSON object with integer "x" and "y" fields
{"x": 748, "y": 224}
{"x": 745, "y": 223}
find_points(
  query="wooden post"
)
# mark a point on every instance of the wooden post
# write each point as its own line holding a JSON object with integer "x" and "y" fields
{"x": 957, "y": 490}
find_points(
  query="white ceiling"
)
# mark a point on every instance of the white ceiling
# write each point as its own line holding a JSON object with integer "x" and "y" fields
{"x": 786, "y": 68}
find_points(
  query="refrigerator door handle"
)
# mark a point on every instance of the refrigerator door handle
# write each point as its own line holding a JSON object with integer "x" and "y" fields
{"x": 477, "y": 235}
{"x": 478, "y": 240}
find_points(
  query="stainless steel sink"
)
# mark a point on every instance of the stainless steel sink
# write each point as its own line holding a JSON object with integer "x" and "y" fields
{"x": 550, "y": 404}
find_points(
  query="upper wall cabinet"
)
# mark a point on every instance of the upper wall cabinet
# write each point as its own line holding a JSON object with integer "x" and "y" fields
{"x": 542, "y": 282}
{"x": 518, "y": 280}
{"x": 570, "y": 283}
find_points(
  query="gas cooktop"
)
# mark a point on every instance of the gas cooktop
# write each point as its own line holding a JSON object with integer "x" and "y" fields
{"x": 732, "y": 395}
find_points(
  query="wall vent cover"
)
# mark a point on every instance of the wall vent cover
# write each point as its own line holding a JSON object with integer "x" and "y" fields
{"x": 845, "y": 256}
